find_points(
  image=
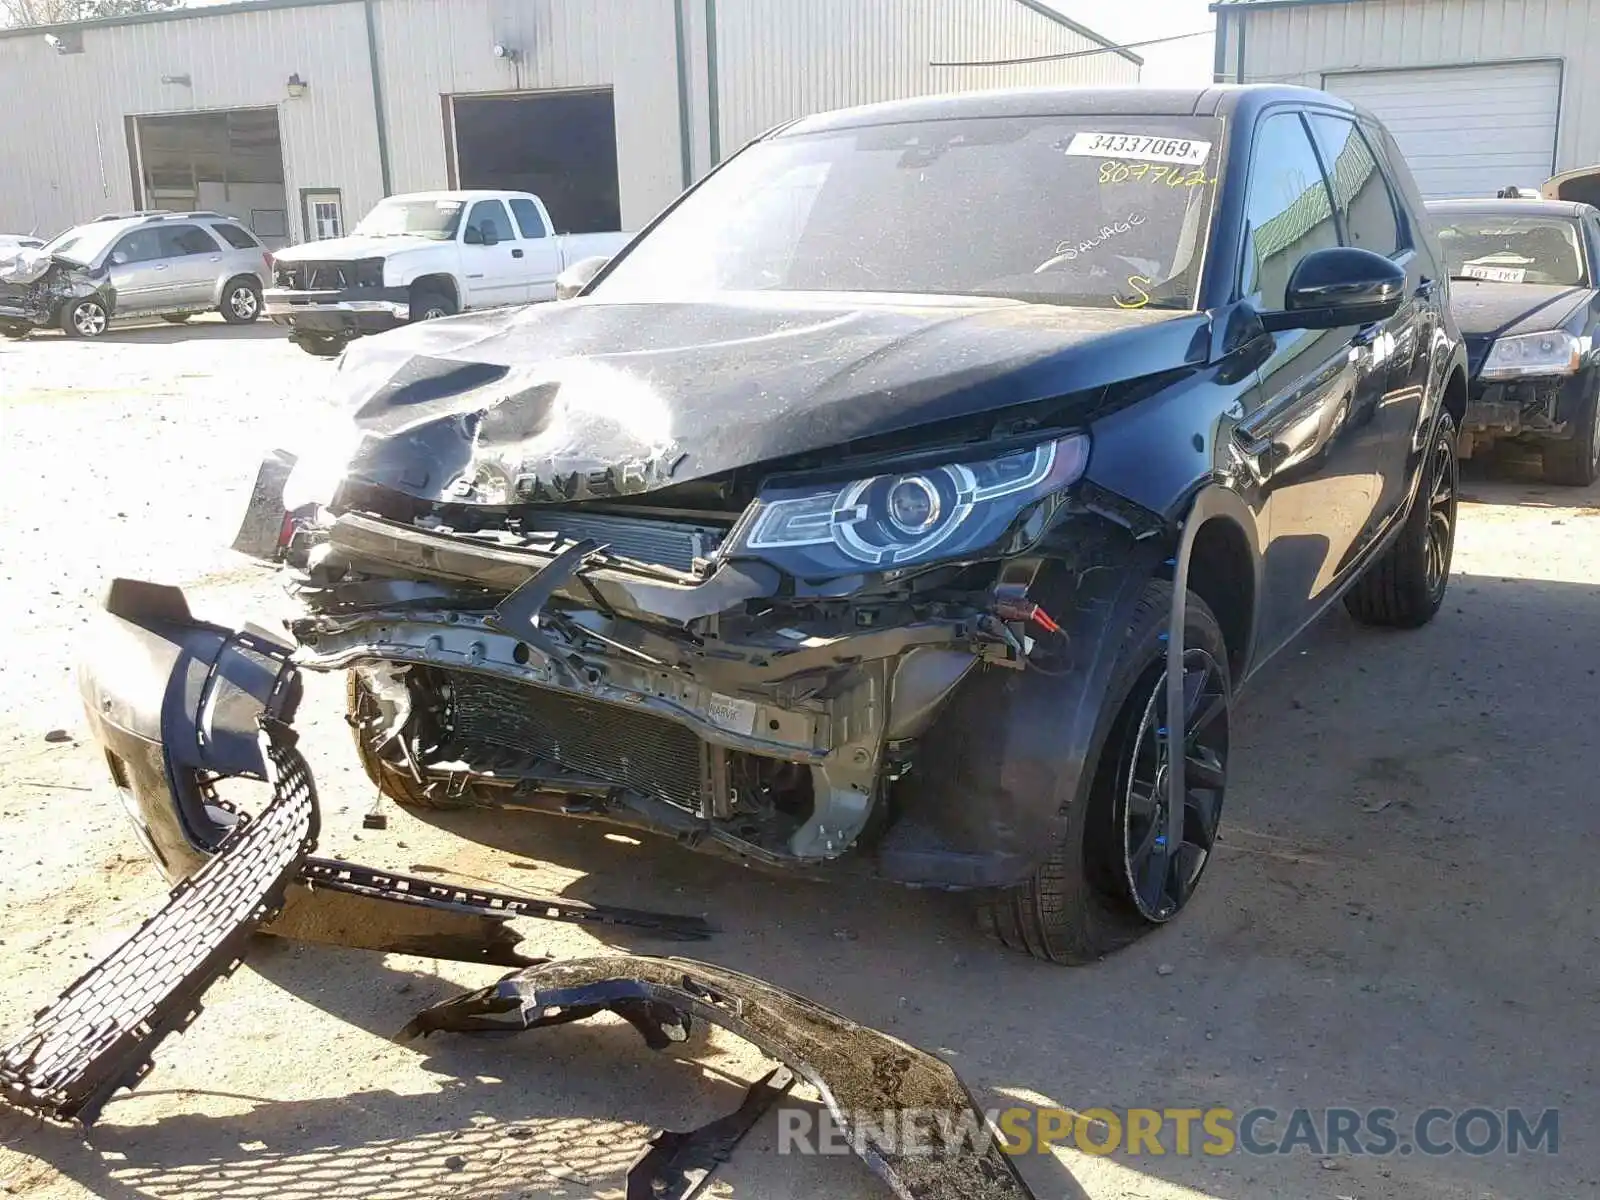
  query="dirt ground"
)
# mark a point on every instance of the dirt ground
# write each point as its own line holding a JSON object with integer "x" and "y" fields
{"x": 1402, "y": 915}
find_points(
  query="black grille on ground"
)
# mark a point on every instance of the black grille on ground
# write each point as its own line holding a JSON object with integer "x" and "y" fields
{"x": 674, "y": 544}
{"x": 632, "y": 749}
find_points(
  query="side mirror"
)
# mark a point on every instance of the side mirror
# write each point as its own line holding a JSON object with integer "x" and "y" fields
{"x": 118, "y": 258}
{"x": 579, "y": 276}
{"x": 1339, "y": 286}
{"x": 490, "y": 237}
{"x": 473, "y": 236}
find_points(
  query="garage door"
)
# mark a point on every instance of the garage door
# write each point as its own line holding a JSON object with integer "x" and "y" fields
{"x": 1466, "y": 131}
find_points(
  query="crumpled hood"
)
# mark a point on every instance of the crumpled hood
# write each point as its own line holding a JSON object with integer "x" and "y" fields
{"x": 350, "y": 248}
{"x": 1486, "y": 309}
{"x": 581, "y": 398}
{"x": 22, "y": 264}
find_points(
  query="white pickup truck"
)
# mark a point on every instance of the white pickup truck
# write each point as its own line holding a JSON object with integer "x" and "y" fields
{"x": 424, "y": 255}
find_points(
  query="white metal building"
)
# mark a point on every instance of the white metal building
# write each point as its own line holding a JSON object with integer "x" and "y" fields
{"x": 298, "y": 115}
{"x": 1480, "y": 94}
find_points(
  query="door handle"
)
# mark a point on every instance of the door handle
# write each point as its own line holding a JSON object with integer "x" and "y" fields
{"x": 160, "y": 267}
{"x": 516, "y": 254}
{"x": 216, "y": 258}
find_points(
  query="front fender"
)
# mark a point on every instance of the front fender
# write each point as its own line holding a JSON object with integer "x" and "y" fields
{"x": 406, "y": 269}
{"x": 174, "y": 701}
{"x": 1012, "y": 752}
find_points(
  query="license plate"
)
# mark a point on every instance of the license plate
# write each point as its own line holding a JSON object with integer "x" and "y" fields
{"x": 1495, "y": 274}
{"x": 732, "y": 714}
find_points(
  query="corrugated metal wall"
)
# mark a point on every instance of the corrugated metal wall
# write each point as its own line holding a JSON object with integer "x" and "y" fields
{"x": 1300, "y": 44}
{"x": 433, "y": 48}
{"x": 778, "y": 59}
{"x": 63, "y": 150}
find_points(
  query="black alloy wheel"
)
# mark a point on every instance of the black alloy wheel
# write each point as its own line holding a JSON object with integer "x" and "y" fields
{"x": 1164, "y": 855}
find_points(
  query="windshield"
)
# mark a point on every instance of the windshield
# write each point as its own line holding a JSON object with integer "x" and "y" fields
{"x": 436, "y": 219}
{"x": 1507, "y": 249}
{"x": 85, "y": 243}
{"x": 1096, "y": 211}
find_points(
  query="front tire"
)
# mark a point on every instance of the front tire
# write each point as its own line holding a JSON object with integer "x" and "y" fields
{"x": 1405, "y": 588}
{"x": 1115, "y": 875}
{"x": 241, "y": 301}
{"x": 320, "y": 347}
{"x": 428, "y": 305}
{"x": 1576, "y": 462}
{"x": 85, "y": 318}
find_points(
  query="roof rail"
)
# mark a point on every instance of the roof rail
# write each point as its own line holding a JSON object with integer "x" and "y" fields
{"x": 128, "y": 216}
{"x": 207, "y": 215}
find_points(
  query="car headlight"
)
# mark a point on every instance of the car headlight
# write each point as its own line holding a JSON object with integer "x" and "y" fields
{"x": 903, "y": 518}
{"x": 1534, "y": 354}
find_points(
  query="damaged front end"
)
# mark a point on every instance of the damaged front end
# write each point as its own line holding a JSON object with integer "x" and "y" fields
{"x": 859, "y": 624}
{"x": 756, "y": 670}
{"x": 35, "y": 289}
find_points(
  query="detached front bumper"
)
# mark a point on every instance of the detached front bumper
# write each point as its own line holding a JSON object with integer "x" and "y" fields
{"x": 1546, "y": 408}
{"x": 346, "y": 313}
{"x": 174, "y": 703}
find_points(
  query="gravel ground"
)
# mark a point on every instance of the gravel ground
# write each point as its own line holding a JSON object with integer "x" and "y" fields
{"x": 1402, "y": 914}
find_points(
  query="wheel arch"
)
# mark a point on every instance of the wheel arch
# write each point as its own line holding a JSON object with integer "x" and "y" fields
{"x": 1218, "y": 558}
{"x": 439, "y": 281}
{"x": 227, "y": 281}
{"x": 1455, "y": 396}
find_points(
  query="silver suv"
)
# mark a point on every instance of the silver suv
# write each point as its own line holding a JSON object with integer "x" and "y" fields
{"x": 157, "y": 264}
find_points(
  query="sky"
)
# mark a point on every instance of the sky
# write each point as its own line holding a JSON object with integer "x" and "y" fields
{"x": 1174, "y": 64}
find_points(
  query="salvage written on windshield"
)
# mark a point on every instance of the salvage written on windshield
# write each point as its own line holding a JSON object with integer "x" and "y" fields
{"x": 1140, "y": 146}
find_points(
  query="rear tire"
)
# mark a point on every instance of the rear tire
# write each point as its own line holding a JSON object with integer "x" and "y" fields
{"x": 241, "y": 301}
{"x": 1576, "y": 461}
{"x": 1405, "y": 587}
{"x": 1082, "y": 902}
{"x": 392, "y": 779}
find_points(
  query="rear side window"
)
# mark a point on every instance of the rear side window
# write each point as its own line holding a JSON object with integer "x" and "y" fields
{"x": 1288, "y": 212}
{"x": 528, "y": 218}
{"x": 490, "y": 216}
{"x": 1360, "y": 192}
{"x": 178, "y": 240}
{"x": 235, "y": 237}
